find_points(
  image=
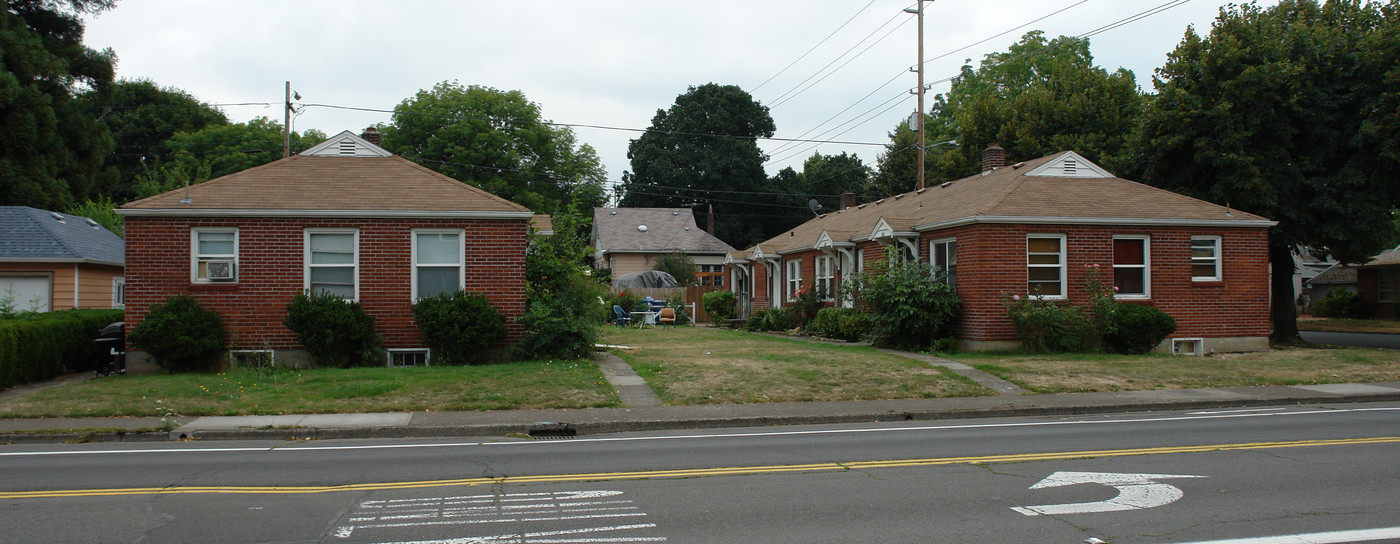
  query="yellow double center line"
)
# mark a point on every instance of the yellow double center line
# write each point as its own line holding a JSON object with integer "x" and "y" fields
{"x": 693, "y": 473}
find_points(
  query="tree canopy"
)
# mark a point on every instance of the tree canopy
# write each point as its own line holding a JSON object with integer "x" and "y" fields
{"x": 142, "y": 116}
{"x": 498, "y": 141}
{"x": 702, "y": 151}
{"x": 1292, "y": 113}
{"x": 1037, "y": 98}
{"x": 53, "y": 145}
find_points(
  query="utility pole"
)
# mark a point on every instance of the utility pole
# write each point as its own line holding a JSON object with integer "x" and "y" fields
{"x": 287, "y": 119}
{"x": 919, "y": 12}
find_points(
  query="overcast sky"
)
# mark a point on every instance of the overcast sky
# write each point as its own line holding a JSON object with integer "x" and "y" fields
{"x": 829, "y": 70}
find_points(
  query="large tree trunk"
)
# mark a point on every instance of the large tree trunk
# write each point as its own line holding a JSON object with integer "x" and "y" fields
{"x": 1284, "y": 316}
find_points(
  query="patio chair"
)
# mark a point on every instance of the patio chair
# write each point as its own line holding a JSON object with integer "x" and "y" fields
{"x": 620, "y": 317}
{"x": 666, "y": 317}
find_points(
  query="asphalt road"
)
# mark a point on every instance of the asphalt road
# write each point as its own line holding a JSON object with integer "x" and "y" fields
{"x": 1352, "y": 339}
{"x": 1178, "y": 477}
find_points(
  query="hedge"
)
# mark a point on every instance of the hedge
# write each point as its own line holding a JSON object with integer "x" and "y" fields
{"x": 41, "y": 346}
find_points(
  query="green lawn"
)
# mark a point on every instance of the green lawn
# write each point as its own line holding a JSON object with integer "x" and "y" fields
{"x": 690, "y": 365}
{"x": 537, "y": 384}
{"x": 1102, "y": 372}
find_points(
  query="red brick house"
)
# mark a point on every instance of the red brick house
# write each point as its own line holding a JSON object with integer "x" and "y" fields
{"x": 345, "y": 216}
{"x": 1039, "y": 226}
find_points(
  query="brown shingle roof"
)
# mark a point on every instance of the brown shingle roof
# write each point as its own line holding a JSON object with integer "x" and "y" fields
{"x": 667, "y": 229}
{"x": 374, "y": 185}
{"x": 1010, "y": 195}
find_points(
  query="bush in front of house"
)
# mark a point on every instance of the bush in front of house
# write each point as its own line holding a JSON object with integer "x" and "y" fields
{"x": 459, "y": 326}
{"x": 562, "y": 318}
{"x": 181, "y": 335}
{"x": 1050, "y": 325}
{"x": 719, "y": 305}
{"x": 1133, "y": 329}
{"x": 849, "y": 324}
{"x": 624, "y": 299}
{"x": 769, "y": 319}
{"x": 806, "y": 302}
{"x": 43, "y": 345}
{"x": 910, "y": 306}
{"x": 336, "y": 332}
{"x": 1338, "y": 302}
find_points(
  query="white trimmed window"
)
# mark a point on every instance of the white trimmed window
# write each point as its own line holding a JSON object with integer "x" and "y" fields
{"x": 1387, "y": 284}
{"x": 119, "y": 292}
{"x": 214, "y": 258}
{"x": 332, "y": 262}
{"x": 438, "y": 262}
{"x": 794, "y": 278}
{"x": 825, "y": 281}
{"x": 1205, "y": 258}
{"x": 943, "y": 255}
{"x": 1045, "y": 265}
{"x": 1131, "y": 261}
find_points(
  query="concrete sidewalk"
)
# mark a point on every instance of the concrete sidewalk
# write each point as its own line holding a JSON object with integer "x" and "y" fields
{"x": 553, "y": 423}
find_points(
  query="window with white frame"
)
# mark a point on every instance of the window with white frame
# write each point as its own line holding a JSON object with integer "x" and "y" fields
{"x": 119, "y": 292}
{"x": 332, "y": 262}
{"x": 1045, "y": 265}
{"x": 1131, "y": 276}
{"x": 943, "y": 255}
{"x": 825, "y": 280}
{"x": 1205, "y": 258}
{"x": 1388, "y": 284}
{"x": 794, "y": 277}
{"x": 214, "y": 258}
{"x": 437, "y": 262}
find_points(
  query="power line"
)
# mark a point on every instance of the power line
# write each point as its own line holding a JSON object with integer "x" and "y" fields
{"x": 814, "y": 47}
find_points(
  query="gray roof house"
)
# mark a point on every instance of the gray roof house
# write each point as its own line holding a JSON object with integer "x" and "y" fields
{"x": 54, "y": 261}
{"x": 628, "y": 240}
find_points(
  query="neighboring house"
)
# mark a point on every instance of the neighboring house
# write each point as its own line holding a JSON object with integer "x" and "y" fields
{"x": 1378, "y": 283}
{"x": 54, "y": 261}
{"x": 1305, "y": 268}
{"x": 345, "y": 216}
{"x": 1337, "y": 275}
{"x": 628, "y": 240}
{"x": 1039, "y": 227}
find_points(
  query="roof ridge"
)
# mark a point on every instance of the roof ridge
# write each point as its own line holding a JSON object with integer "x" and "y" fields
{"x": 446, "y": 177}
{"x": 220, "y": 179}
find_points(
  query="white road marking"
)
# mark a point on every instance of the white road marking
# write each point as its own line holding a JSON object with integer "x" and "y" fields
{"x": 567, "y": 443}
{"x": 1135, "y": 492}
{"x": 534, "y": 538}
{"x": 1333, "y": 537}
{"x": 1240, "y": 411}
{"x": 462, "y": 512}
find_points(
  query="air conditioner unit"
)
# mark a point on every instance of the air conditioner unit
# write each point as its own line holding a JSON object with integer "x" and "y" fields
{"x": 219, "y": 270}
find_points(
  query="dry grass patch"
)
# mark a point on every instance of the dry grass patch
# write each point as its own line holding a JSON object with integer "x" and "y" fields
{"x": 1330, "y": 324}
{"x": 531, "y": 384}
{"x": 707, "y": 366}
{"x": 1100, "y": 372}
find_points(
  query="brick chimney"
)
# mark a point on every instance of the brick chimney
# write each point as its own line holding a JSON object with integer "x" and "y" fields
{"x": 993, "y": 157}
{"x": 848, "y": 200}
{"x": 710, "y": 221}
{"x": 371, "y": 135}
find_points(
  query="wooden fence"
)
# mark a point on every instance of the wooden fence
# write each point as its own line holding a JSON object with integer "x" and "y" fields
{"x": 689, "y": 295}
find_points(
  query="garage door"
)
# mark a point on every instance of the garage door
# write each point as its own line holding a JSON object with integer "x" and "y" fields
{"x": 26, "y": 292}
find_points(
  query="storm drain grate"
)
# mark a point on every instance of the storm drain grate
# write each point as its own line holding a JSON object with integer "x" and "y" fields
{"x": 562, "y": 432}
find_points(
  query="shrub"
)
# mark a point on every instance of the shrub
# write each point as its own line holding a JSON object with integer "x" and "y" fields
{"x": 625, "y": 299}
{"x": 1133, "y": 329}
{"x": 43, "y": 345}
{"x": 805, "y": 305}
{"x": 1050, "y": 325}
{"x": 910, "y": 306}
{"x": 459, "y": 326}
{"x": 336, "y": 332}
{"x": 181, "y": 335}
{"x": 849, "y": 324}
{"x": 719, "y": 305}
{"x": 562, "y": 316}
{"x": 769, "y": 319}
{"x": 1338, "y": 302}
{"x": 679, "y": 266}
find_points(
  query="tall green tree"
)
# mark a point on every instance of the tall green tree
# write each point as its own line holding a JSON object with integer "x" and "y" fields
{"x": 704, "y": 150}
{"x": 897, "y": 166}
{"x": 53, "y": 146}
{"x": 217, "y": 150}
{"x": 1290, "y": 112}
{"x": 1037, "y": 98}
{"x": 498, "y": 141}
{"x": 823, "y": 178}
{"x": 142, "y": 117}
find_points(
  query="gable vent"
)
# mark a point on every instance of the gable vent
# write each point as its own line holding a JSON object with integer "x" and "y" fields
{"x": 347, "y": 147}
{"x": 1069, "y": 167}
